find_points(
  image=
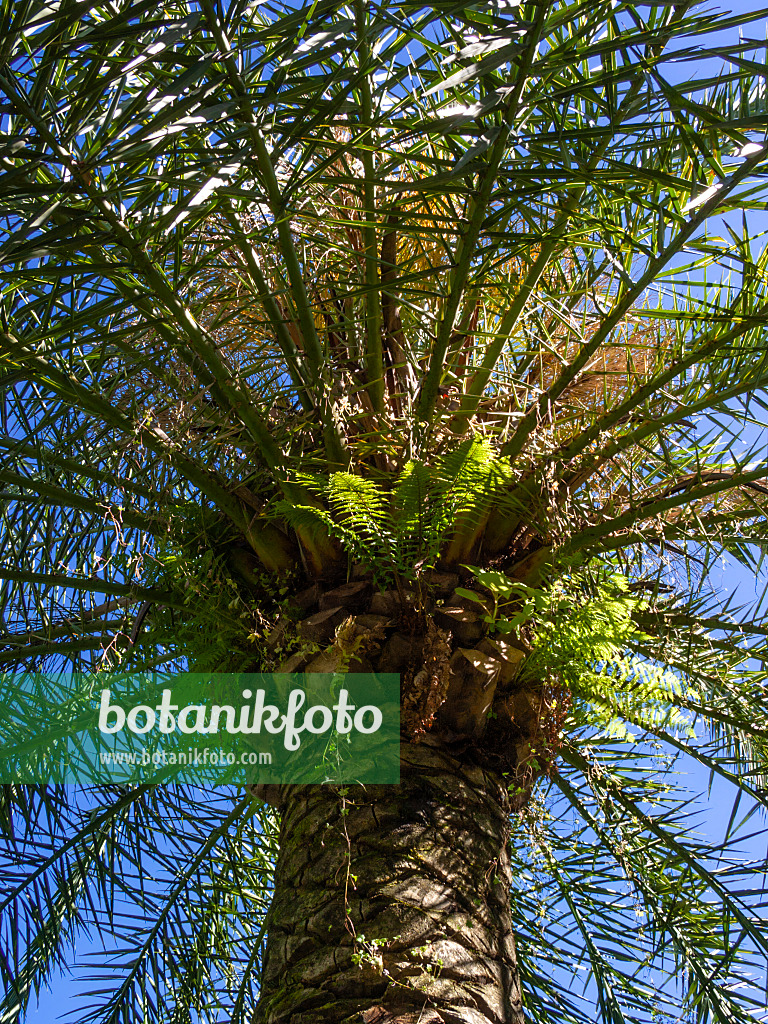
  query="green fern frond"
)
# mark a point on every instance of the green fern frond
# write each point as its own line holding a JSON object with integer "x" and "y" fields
{"x": 404, "y": 530}
{"x": 312, "y": 519}
{"x": 630, "y": 691}
{"x": 360, "y": 505}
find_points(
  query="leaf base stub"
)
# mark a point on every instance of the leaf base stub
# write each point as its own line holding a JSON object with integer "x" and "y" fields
{"x": 458, "y": 685}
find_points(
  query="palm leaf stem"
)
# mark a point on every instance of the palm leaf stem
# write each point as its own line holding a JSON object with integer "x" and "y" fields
{"x": 293, "y": 357}
{"x": 626, "y": 299}
{"x": 652, "y": 508}
{"x": 716, "y": 397}
{"x": 93, "y": 827}
{"x": 82, "y": 627}
{"x": 49, "y": 458}
{"x": 474, "y": 219}
{"x": 610, "y": 1008}
{"x": 751, "y": 729}
{"x": 185, "y": 873}
{"x": 202, "y": 345}
{"x": 61, "y": 498}
{"x": 13, "y": 655}
{"x": 70, "y": 389}
{"x": 98, "y": 586}
{"x": 312, "y": 346}
{"x": 676, "y": 619}
{"x": 41, "y": 952}
{"x": 655, "y": 424}
{"x": 568, "y": 208}
{"x": 374, "y": 357}
{"x": 61, "y": 627}
{"x": 723, "y": 1006}
{"x": 520, "y": 494}
{"x": 687, "y": 856}
{"x": 335, "y": 449}
{"x": 757, "y": 794}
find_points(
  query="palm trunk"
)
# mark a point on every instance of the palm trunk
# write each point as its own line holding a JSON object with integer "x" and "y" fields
{"x": 391, "y": 903}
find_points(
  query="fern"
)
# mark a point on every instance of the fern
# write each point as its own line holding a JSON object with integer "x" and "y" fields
{"x": 416, "y": 541}
{"x": 403, "y": 531}
{"x": 360, "y": 506}
{"x": 468, "y": 480}
{"x": 433, "y": 502}
{"x": 358, "y": 516}
{"x": 584, "y": 645}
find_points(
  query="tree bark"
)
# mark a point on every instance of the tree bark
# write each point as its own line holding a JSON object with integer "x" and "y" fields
{"x": 391, "y": 903}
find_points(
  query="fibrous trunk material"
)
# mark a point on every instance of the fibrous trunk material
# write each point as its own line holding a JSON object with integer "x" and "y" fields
{"x": 391, "y": 903}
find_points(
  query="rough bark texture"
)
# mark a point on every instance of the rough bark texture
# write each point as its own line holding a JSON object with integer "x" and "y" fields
{"x": 391, "y": 902}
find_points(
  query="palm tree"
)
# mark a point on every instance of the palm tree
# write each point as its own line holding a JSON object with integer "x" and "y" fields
{"x": 368, "y": 335}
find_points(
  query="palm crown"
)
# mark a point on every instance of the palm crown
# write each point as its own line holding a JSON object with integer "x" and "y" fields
{"x": 422, "y": 300}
